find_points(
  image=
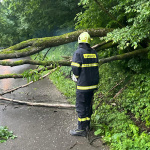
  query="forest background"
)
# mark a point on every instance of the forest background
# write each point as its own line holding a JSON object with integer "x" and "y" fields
{"x": 122, "y": 102}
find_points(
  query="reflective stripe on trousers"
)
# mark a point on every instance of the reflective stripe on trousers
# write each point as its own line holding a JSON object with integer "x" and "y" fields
{"x": 87, "y": 87}
{"x": 84, "y": 119}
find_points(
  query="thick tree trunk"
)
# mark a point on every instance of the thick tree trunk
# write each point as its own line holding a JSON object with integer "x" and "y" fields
{"x": 32, "y": 46}
{"x": 67, "y": 62}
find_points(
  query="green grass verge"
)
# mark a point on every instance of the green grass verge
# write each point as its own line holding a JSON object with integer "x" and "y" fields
{"x": 66, "y": 86}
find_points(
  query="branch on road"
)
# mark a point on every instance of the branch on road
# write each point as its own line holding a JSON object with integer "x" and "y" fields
{"x": 15, "y": 76}
{"x": 22, "y": 86}
{"x": 38, "y": 104}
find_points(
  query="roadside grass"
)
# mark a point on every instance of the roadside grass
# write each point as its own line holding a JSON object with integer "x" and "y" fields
{"x": 64, "y": 84}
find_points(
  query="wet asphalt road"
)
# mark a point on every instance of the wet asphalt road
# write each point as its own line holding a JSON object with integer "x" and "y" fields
{"x": 39, "y": 128}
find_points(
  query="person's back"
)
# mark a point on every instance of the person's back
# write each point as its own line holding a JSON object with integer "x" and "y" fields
{"x": 88, "y": 74}
{"x": 85, "y": 68}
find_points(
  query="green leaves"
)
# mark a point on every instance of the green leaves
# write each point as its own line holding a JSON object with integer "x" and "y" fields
{"x": 5, "y": 134}
{"x": 32, "y": 75}
{"x": 132, "y": 14}
{"x": 83, "y": 2}
{"x": 123, "y": 126}
{"x": 137, "y": 13}
{"x": 22, "y": 20}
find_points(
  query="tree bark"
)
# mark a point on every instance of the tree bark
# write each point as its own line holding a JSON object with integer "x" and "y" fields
{"x": 104, "y": 45}
{"x": 32, "y": 46}
{"x": 15, "y": 76}
{"x": 33, "y": 62}
{"x": 68, "y": 62}
{"x": 124, "y": 56}
{"x": 38, "y": 104}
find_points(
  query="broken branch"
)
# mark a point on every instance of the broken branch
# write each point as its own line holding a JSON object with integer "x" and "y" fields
{"x": 38, "y": 104}
{"x": 33, "y": 62}
{"x": 22, "y": 86}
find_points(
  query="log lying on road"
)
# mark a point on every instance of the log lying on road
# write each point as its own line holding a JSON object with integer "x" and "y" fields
{"x": 38, "y": 104}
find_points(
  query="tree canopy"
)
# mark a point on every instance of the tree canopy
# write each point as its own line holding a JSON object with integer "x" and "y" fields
{"x": 22, "y": 20}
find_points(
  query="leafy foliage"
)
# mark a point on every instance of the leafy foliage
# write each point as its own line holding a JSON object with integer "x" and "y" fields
{"x": 60, "y": 80}
{"x": 5, "y": 134}
{"x": 132, "y": 16}
{"x": 122, "y": 120}
{"x": 84, "y": 19}
{"x": 22, "y": 20}
{"x": 32, "y": 75}
{"x": 137, "y": 28}
{"x": 121, "y": 104}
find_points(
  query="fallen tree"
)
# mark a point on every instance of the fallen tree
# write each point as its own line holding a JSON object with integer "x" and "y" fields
{"x": 53, "y": 64}
{"x": 34, "y": 46}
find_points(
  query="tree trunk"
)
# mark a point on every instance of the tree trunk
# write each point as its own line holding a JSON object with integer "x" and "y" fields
{"x": 32, "y": 46}
{"x": 68, "y": 62}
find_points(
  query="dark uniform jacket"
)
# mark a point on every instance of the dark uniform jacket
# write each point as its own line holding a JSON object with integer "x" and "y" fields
{"x": 85, "y": 68}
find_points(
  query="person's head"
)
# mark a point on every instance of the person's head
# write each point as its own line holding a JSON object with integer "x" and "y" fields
{"x": 84, "y": 38}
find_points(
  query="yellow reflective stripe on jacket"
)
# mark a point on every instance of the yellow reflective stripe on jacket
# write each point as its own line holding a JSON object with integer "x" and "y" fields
{"x": 84, "y": 119}
{"x": 86, "y": 87}
{"x": 89, "y": 55}
{"x": 75, "y": 64}
{"x": 90, "y": 65}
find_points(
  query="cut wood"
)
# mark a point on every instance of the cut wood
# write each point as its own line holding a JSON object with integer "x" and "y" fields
{"x": 38, "y": 104}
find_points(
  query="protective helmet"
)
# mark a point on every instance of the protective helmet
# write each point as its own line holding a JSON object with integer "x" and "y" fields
{"x": 84, "y": 38}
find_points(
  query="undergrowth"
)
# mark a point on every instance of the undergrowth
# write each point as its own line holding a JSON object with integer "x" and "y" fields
{"x": 122, "y": 106}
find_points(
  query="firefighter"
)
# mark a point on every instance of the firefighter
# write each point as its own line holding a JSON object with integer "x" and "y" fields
{"x": 85, "y": 70}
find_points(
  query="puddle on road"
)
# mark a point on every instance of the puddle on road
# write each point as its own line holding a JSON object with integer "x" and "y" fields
{"x": 6, "y": 84}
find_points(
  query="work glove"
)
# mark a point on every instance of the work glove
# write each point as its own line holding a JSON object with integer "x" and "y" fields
{"x": 74, "y": 78}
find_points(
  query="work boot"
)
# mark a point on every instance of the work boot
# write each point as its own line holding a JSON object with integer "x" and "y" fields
{"x": 78, "y": 132}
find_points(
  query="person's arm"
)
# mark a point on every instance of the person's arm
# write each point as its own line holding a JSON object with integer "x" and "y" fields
{"x": 76, "y": 64}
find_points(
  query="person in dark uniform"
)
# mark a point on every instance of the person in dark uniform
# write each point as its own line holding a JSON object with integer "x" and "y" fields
{"x": 85, "y": 70}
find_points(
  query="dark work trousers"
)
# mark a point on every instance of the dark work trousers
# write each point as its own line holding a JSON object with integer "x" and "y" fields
{"x": 84, "y": 108}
